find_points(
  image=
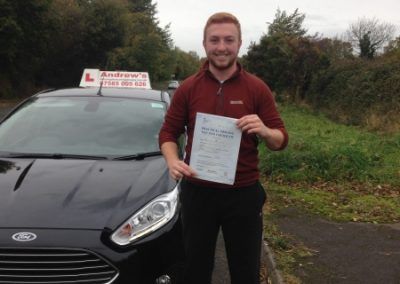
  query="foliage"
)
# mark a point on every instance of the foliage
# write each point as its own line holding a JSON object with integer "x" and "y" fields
{"x": 25, "y": 28}
{"x": 84, "y": 34}
{"x": 360, "y": 92}
{"x": 369, "y": 36}
{"x": 392, "y": 50}
{"x": 287, "y": 25}
{"x": 23, "y": 31}
{"x": 50, "y": 42}
{"x": 366, "y": 48}
{"x": 145, "y": 49}
{"x": 270, "y": 61}
{"x": 143, "y": 6}
{"x": 324, "y": 72}
{"x": 334, "y": 49}
{"x": 285, "y": 58}
{"x": 186, "y": 63}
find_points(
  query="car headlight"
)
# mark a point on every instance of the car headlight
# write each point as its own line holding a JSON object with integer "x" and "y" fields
{"x": 151, "y": 217}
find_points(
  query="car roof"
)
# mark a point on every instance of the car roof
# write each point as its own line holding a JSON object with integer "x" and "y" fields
{"x": 146, "y": 94}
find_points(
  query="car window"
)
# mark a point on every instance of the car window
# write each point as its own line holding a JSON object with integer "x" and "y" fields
{"x": 83, "y": 125}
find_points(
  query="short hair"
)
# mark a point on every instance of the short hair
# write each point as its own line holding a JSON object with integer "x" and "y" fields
{"x": 222, "y": 18}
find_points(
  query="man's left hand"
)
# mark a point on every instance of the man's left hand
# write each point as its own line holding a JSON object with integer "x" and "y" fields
{"x": 251, "y": 123}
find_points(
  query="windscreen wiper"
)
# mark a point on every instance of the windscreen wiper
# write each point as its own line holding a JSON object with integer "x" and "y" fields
{"x": 139, "y": 156}
{"x": 54, "y": 156}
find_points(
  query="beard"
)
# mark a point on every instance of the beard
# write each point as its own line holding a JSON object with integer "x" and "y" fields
{"x": 221, "y": 65}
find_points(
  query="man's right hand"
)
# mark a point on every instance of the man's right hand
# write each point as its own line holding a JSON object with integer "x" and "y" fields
{"x": 178, "y": 169}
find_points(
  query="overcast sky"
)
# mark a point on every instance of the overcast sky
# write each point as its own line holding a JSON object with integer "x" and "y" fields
{"x": 330, "y": 18}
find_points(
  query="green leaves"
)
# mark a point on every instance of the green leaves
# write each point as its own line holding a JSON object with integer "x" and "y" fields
{"x": 360, "y": 92}
{"x": 25, "y": 30}
{"x": 287, "y": 24}
{"x": 285, "y": 57}
{"x": 50, "y": 42}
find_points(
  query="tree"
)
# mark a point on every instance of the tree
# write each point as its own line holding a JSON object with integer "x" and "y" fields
{"x": 285, "y": 58}
{"x": 365, "y": 45}
{"x": 334, "y": 49}
{"x": 49, "y": 42}
{"x": 25, "y": 28}
{"x": 393, "y": 46}
{"x": 146, "y": 47}
{"x": 369, "y": 36}
{"x": 84, "y": 33}
{"x": 186, "y": 63}
{"x": 287, "y": 25}
{"x": 106, "y": 34}
{"x": 143, "y": 6}
{"x": 270, "y": 60}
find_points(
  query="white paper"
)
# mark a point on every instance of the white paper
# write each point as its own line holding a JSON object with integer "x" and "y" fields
{"x": 215, "y": 148}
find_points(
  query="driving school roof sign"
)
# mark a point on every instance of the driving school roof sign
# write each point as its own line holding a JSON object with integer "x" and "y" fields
{"x": 115, "y": 79}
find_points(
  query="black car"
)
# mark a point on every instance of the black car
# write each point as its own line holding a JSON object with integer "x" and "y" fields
{"x": 85, "y": 194}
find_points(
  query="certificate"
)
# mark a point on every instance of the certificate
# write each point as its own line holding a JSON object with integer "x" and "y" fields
{"x": 215, "y": 148}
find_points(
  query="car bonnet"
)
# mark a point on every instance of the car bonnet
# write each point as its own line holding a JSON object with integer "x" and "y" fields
{"x": 77, "y": 194}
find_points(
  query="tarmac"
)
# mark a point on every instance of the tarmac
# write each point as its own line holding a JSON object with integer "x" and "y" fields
{"x": 343, "y": 253}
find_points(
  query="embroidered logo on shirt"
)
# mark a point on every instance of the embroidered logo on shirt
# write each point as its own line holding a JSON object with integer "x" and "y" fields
{"x": 236, "y": 102}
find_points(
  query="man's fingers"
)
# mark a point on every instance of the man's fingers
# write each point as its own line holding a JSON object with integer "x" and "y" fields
{"x": 181, "y": 169}
{"x": 186, "y": 170}
{"x": 246, "y": 120}
{"x": 177, "y": 175}
{"x": 252, "y": 127}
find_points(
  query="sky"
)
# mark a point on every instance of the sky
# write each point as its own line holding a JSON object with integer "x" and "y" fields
{"x": 327, "y": 17}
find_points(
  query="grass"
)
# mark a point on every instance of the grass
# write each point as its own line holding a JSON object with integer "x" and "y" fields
{"x": 338, "y": 172}
{"x": 322, "y": 151}
{"x": 341, "y": 205}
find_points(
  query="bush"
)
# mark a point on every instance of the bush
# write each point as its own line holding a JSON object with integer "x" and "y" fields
{"x": 360, "y": 92}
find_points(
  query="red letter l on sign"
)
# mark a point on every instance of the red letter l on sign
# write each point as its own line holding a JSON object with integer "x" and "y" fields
{"x": 88, "y": 79}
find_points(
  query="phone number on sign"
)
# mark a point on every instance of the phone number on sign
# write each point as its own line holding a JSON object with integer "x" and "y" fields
{"x": 133, "y": 84}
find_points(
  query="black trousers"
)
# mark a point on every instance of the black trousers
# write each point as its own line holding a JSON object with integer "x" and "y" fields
{"x": 238, "y": 212}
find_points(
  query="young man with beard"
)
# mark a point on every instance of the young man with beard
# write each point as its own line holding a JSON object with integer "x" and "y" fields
{"x": 222, "y": 87}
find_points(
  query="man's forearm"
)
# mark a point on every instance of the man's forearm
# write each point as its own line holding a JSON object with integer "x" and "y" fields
{"x": 274, "y": 139}
{"x": 170, "y": 152}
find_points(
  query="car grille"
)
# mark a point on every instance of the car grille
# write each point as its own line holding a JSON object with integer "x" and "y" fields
{"x": 58, "y": 266}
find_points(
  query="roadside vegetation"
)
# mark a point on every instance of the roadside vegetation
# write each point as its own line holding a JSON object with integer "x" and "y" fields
{"x": 354, "y": 79}
{"x": 341, "y": 173}
{"x": 47, "y": 43}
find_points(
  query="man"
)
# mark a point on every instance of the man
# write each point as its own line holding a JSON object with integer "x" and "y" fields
{"x": 223, "y": 88}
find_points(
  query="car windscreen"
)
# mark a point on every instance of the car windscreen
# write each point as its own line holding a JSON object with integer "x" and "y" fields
{"x": 101, "y": 126}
